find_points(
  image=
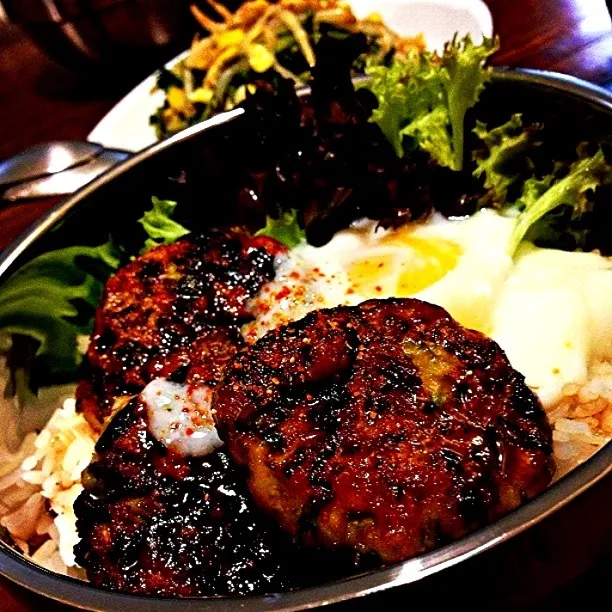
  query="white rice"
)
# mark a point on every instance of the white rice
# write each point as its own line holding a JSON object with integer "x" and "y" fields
{"x": 45, "y": 471}
{"x": 582, "y": 420}
{"x": 38, "y": 495}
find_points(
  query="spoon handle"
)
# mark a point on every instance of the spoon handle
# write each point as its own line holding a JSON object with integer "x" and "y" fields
{"x": 46, "y": 158}
{"x": 67, "y": 181}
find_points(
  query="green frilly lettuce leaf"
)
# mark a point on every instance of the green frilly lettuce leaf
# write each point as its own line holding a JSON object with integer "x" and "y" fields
{"x": 503, "y": 160}
{"x": 544, "y": 206}
{"x": 51, "y": 300}
{"x": 539, "y": 199}
{"x": 426, "y": 96}
{"x": 159, "y": 225}
{"x": 286, "y": 229}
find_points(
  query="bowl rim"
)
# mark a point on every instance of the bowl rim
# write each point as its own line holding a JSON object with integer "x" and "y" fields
{"x": 72, "y": 591}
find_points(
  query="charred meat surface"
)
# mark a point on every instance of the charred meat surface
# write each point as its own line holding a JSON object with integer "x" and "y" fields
{"x": 386, "y": 427}
{"x": 173, "y": 312}
{"x": 155, "y": 522}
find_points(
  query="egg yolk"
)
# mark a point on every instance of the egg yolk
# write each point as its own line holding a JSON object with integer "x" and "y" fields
{"x": 402, "y": 265}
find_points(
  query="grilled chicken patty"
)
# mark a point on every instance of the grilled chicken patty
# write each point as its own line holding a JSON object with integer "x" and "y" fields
{"x": 173, "y": 312}
{"x": 152, "y": 521}
{"x": 387, "y": 428}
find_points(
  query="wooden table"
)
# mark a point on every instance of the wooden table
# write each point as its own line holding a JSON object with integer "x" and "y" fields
{"x": 40, "y": 101}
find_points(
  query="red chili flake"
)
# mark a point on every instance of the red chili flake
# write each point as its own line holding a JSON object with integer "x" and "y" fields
{"x": 381, "y": 264}
{"x": 189, "y": 431}
{"x": 316, "y": 270}
{"x": 378, "y": 288}
{"x": 283, "y": 293}
{"x": 295, "y": 275}
{"x": 350, "y": 290}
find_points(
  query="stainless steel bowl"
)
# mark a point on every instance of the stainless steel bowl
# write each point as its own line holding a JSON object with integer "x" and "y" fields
{"x": 524, "y": 552}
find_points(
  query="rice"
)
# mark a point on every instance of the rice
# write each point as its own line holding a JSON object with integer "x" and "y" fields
{"x": 38, "y": 495}
{"x": 582, "y": 420}
{"x": 41, "y": 480}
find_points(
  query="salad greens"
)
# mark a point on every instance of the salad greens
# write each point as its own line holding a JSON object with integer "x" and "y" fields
{"x": 159, "y": 225}
{"x": 286, "y": 229}
{"x": 504, "y": 157}
{"x": 541, "y": 197}
{"x": 506, "y": 167}
{"x": 426, "y": 96}
{"x": 260, "y": 37}
{"x": 51, "y": 300}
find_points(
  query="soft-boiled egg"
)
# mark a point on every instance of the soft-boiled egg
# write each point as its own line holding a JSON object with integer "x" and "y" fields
{"x": 553, "y": 317}
{"x": 458, "y": 264}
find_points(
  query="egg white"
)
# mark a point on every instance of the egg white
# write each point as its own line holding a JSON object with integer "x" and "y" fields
{"x": 553, "y": 317}
{"x": 466, "y": 283}
{"x": 180, "y": 417}
{"x": 469, "y": 291}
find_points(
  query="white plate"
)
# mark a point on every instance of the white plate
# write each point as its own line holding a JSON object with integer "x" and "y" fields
{"x": 126, "y": 125}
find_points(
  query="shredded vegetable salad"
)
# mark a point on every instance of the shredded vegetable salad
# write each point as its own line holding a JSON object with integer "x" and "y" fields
{"x": 261, "y": 36}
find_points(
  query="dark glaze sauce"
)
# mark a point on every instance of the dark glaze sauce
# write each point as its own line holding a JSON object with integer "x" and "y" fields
{"x": 154, "y": 522}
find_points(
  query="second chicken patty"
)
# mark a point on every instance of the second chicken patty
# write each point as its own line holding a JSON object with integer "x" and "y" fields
{"x": 387, "y": 428}
{"x": 173, "y": 312}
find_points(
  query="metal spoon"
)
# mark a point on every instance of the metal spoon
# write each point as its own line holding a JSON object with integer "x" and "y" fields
{"x": 67, "y": 181}
{"x": 45, "y": 159}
